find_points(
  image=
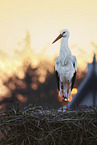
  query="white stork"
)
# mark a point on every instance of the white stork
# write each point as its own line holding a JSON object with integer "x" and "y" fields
{"x": 65, "y": 67}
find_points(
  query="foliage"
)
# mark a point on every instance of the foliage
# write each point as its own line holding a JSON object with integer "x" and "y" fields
{"x": 30, "y": 90}
{"x": 38, "y": 86}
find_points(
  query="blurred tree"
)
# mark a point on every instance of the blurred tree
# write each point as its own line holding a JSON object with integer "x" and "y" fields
{"x": 31, "y": 90}
{"x": 37, "y": 86}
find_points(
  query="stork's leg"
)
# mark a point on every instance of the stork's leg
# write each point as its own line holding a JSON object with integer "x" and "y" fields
{"x": 62, "y": 93}
{"x": 62, "y": 88}
{"x": 68, "y": 93}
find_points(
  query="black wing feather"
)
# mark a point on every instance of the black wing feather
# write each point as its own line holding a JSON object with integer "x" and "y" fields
{"x": 73, "y": 80}
{"x": 58, "y": 79}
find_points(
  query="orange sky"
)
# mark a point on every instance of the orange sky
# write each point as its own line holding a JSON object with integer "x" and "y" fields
{"x": 44, "y": 19}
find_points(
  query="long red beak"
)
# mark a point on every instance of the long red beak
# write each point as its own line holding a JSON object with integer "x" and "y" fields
{"x": 60, "y": 36}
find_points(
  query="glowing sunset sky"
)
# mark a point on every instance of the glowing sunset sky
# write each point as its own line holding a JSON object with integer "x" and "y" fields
{"x": 44, "y": 19}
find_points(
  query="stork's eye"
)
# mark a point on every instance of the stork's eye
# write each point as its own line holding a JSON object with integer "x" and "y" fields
{"x": 64, "y": 32}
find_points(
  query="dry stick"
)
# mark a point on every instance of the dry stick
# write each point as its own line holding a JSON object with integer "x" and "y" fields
{"x": 69, "y": 119}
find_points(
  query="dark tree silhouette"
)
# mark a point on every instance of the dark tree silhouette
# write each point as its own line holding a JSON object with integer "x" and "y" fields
{"x": 30, "y": 91}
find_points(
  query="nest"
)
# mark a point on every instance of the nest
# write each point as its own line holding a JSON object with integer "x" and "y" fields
{"x": 35, "y": 126}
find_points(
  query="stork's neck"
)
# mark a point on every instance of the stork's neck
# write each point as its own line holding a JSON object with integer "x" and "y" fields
{"x": 64, "y": 49}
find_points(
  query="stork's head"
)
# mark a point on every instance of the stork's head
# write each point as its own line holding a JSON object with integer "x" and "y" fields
{"x": 63, "y": 33}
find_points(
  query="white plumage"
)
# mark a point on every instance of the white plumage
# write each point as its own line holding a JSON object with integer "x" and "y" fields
{"x": 65, "y": 66}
